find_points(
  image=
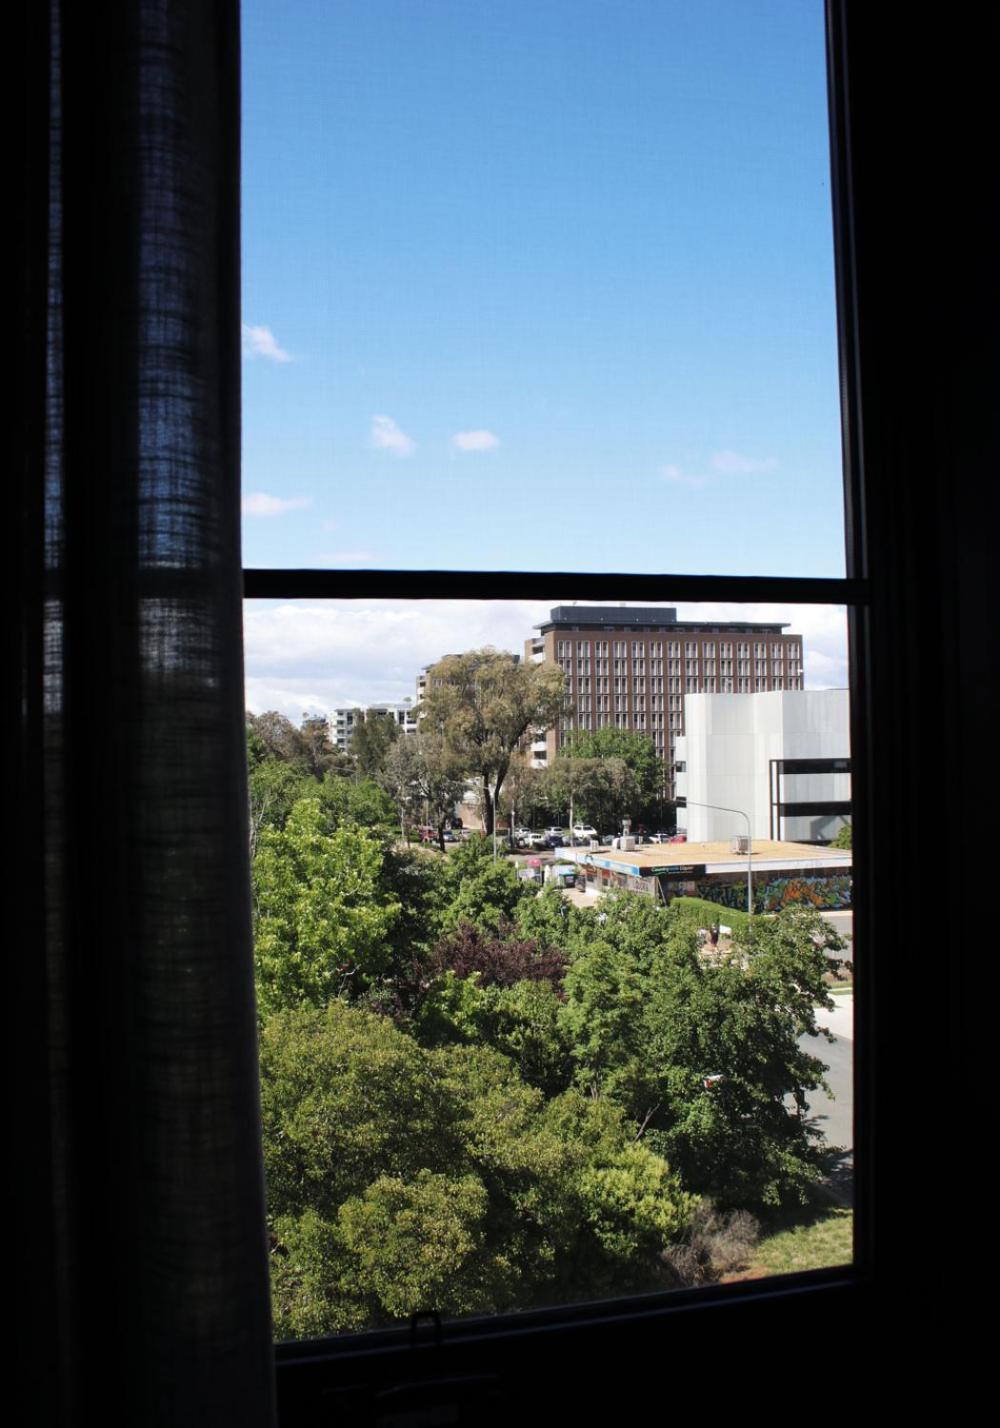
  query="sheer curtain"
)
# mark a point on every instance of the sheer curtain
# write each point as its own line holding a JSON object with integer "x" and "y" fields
{"x": 142, "y": 1271}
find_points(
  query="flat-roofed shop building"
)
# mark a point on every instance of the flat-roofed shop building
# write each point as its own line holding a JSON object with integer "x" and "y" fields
{"x": 629, "y": 667}
{"x": 782, "y": 874}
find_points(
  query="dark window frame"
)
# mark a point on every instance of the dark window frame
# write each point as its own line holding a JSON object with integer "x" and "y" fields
{"x": 904, "y": 275}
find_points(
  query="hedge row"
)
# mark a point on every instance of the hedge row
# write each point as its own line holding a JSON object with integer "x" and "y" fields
{"x": 699, "y": 912}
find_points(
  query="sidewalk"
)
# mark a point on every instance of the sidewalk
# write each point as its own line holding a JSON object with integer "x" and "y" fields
{"x": 841, "y": 1020}
{"x": 583, "y": 897}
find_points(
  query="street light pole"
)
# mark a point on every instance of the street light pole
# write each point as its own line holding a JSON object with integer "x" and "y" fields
{"x": 493, "y": 802}
{"x": 685, "y": 802}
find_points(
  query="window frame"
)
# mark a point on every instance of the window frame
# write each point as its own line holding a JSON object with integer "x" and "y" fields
{"x": 566, "y": 1351}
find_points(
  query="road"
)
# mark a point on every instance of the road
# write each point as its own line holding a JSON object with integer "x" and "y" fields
{"x": 834, "y": 1117}
{"x": 842, "y": 922}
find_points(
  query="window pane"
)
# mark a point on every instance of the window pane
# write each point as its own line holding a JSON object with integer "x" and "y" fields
{"x": 563, "y": 1053}
{"x": 535, "y": 286}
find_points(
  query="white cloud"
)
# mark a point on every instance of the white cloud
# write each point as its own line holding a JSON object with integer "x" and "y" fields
{"x": 675, "y": 476}
{"x": 386, "y": 436}
{"x": 261, "y": 342}
{"x": 722, "y": 463}
{"x": 258, "y": 503}
{"x": 475, "y": 441}
{"x": 316, "y": 655}
{"x": 733, "y": 463}
{"x": 335, "y": 652}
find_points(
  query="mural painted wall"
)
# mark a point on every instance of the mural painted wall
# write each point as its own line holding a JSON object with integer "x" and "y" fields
{"x": 827, "y": 893}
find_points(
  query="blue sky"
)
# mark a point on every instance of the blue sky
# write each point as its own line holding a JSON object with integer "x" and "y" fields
{"x": 539, "y": 285}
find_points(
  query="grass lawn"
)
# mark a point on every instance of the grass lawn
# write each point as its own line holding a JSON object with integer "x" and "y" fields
{"x": 824, "y": 1242}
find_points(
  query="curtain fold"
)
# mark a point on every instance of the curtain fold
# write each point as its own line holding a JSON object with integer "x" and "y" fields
{"x": 144, "y": 1264}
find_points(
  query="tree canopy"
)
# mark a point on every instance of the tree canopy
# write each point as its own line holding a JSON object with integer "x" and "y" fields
{"x": 375, "y": 732}
{"x": 425, "y": 778}
{"x": 308, "y": 749}
{"x": 704, "y": 1054}
{"x": 401, "y": 1177}
{"x": 321, "y": 916}
{"x": 478, "y": 1096}
{"x": 620, "y": 774}
{"x": 482, "y": 704}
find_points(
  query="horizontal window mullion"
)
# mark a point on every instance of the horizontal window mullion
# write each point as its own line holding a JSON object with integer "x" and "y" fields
{"x": 288, "y": 584}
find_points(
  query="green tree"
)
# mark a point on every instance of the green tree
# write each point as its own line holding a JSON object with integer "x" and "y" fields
{"x": 319, "y": 749}
{"x": 635, "y": 775}
{"x": 549, "y": 918}
{"x": 284, "y": 764}
{"x": 272, "y": 735}
{"x": 402, "y": 1178}
{"x": 308, "y": 748}
{"x": 522, "y": 1021}
{"x": 322, "y": 919}
{"x": 482, "y": 704}
{"x": 274, "y": 787}
{"x": 523, "y": 793}
{"x": 425, "y": 779}
{"x": 843, "y": 838}
{"x": 375, "y": 732}
{"x": 356, "y": 801}
{"x": 474, "y": 887}
{"x": 579, "y": 787}
{"x": 704, "y": 1056}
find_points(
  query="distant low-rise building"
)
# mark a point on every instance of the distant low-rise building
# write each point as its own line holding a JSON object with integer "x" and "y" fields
{"x": 774, "y": 874}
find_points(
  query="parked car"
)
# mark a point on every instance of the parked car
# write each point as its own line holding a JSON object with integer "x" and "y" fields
{"x": 584, "y": 832}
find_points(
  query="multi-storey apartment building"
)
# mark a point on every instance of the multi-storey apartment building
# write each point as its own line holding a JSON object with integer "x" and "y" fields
{"x": 343, "y": 720}
{"x": 629, "y": 667}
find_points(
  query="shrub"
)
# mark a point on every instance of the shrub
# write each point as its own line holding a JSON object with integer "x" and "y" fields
{"x": 499, "y": 963}
{"x": 699, "y": 912}
{"x": 713, "y": 1244}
